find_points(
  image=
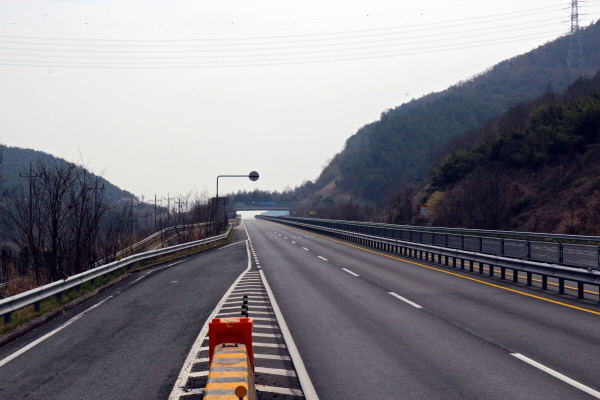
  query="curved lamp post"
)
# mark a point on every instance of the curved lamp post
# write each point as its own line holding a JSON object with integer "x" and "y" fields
{"x": 253, "y": 176}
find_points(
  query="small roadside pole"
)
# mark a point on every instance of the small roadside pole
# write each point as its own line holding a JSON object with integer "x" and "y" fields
{"x": 253, "y": 176}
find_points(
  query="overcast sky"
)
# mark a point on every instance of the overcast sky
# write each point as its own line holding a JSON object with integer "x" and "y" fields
{"x": 163, "y": 96}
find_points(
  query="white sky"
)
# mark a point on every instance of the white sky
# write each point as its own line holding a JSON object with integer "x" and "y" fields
{"x": 163, "y": 96}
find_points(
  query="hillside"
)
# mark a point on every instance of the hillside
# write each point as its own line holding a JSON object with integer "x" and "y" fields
{"x": 536, "y": 168}
{"x": 15, "y": 161}
{"x": 397, "y": 149}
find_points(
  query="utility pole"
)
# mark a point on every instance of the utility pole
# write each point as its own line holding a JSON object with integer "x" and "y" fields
{"x": 30, "y": 227}
{"x": 575, "y": 60}
{"x": 131, "y": 207}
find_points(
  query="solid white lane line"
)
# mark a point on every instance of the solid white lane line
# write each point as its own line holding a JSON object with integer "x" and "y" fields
{"x": 305, "y": 248}
{"x": 272, "y": 357}
{"x": 232, "y": 244}
{"x": 271, "y": 335}
{"x": 405, "y": 300}
{"x": 194, "y": 391}
{"x": 154, "y": 270}
{"x": 322, "y": 258}
{"x": 278, "y": 390}
{"x": 51, "y": 333}
{"x": 199, "y": 374}
{"x": 558, "y": 375}
{"x": 350, "y": 272}
{"x": 305, "y": 382}
{"x": 275, "y": 371}
{"x": 253, "y": 301}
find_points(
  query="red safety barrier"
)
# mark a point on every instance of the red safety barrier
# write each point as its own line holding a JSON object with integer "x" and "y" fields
{"x": 231, "y": 330}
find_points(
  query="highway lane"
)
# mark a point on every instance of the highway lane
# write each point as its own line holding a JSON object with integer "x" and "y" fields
{"x": 132, "y": 345}
{"x": 358, "y": 340}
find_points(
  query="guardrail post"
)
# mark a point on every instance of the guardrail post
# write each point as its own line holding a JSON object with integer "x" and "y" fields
{"x": 528, "y": 250}
{"x": 481, "y": 244}
{"x": 580, "y": 292}
{"x": 481, "y": 268}
{"x": 529, "y": 278}
{"x": 37, "y": 306}
{"x": 446, "y": 260}
{"x": 561, "y": 286}
{"x": 515, "y": 276}
{"x": 502, "y": 247}
{"x": 560, "y": 253}
{"x": 491, "y": 270}
{"x": 59, "y": 296}
{"x": 462, "y": 242}
{"x": 502, "y": 272}
{"x": 7, "y": 318}
{"x": 446, "y": 245}
{"x": 462, "y": 263}
{"x": 471, "y": 266}
{"x": 544, "y": 282}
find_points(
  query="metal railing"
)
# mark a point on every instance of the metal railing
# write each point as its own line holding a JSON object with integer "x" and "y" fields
{"x": 35, "y": 296}
{"x": 554, "y": 252}
{"x": 148, "y": 239}
{"x": 459, "y": 257}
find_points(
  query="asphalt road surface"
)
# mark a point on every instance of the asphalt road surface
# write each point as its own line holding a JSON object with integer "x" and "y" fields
{"x": 127, "y": 343}
{"x": 375, "y": 325}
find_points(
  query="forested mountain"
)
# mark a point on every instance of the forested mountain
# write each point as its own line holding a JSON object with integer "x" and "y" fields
{"x": 15, "y": 161}
{"x": 398, "y": 148}
{"x": 536, "y": 168}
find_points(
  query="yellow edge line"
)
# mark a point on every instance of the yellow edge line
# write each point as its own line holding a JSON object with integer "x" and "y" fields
{"x": 449, "y": 273}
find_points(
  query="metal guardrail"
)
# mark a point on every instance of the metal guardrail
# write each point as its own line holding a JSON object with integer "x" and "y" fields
{"x": 419, "y": 250}
{"x": 35, "y": 296}
{"x": 519, "y": 234}
{"x": 573, "y": 255}
{"x": 148, "y": 239}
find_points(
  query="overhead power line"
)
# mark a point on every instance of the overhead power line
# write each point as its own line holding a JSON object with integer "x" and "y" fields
{"x": 268, "y": 62}
{"x": 275, "y": 50}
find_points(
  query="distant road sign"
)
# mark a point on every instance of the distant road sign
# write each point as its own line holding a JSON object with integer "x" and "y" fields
{"x": 424, "y": 209}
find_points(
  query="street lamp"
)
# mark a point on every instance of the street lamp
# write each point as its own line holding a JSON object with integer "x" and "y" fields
{"x": 253, "y": 176}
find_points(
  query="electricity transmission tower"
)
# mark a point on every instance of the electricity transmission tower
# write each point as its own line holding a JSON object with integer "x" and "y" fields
{"x": 575, "y": 59}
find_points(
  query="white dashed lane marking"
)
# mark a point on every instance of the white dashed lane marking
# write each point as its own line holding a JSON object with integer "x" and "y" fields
{"x": 350, "y": 272}
{"x": 405, "y": 300}
{"x": 558, "y": 375}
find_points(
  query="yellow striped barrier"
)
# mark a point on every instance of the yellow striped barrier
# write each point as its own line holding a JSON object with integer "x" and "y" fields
{"x": 230, "y": 376}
